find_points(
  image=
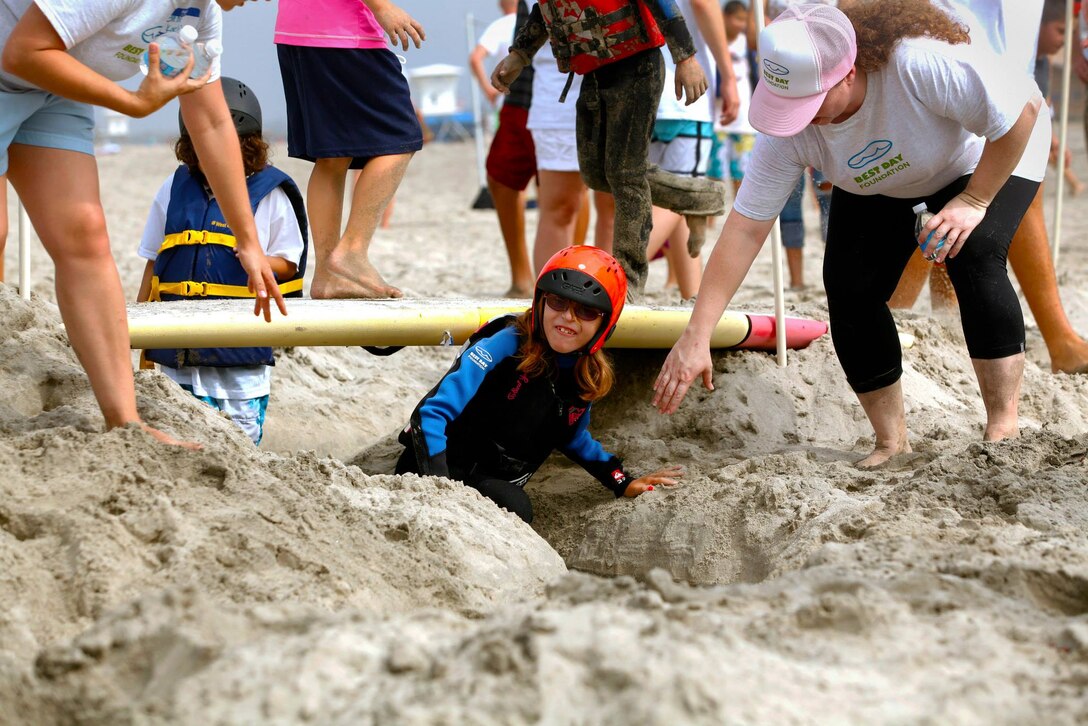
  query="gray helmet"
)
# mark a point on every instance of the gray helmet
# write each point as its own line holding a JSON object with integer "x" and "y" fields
{"x": 243, "y": 105}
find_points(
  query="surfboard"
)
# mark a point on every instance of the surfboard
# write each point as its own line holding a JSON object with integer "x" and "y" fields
{"x": 418, "y": 321}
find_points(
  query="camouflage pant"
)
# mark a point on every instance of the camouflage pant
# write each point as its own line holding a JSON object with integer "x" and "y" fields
{"x": 615, "y": 117}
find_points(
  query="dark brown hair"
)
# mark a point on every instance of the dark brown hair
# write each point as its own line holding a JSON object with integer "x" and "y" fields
{"x": 592, "y": 372}
{"x": 254, "y": 154}
{"x": 881, "y": 24}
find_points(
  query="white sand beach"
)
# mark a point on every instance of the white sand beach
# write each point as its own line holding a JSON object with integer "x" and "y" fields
{"x": 303, "y": 583}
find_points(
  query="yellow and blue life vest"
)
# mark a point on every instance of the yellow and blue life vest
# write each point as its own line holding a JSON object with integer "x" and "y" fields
{"x": 196, "y": 260}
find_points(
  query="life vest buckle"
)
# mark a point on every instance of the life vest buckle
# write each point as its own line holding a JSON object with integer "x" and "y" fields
{"x": 196, "y": 289}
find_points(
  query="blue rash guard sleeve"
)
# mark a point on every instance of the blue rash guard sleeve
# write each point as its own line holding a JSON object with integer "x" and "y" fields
{"x": 459, "y": 386}
{"x": 588, "y": 453}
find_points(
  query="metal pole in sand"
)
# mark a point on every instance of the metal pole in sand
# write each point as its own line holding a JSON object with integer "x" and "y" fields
{"x": 483, "y": 197}
{"x": 776, "y": 258}
{"x": 1063, "y": 134}
{"x": 24, "y": 253}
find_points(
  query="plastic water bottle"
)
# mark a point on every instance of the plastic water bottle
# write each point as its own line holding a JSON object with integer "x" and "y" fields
{"x": 921, "y": 216}
{"x": 174, "y": 51}
{"x": 205, "y": 54}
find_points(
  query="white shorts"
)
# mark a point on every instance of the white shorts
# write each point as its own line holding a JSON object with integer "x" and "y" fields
{"x": 556, "y": 149}
{"x": 683, "y": 155}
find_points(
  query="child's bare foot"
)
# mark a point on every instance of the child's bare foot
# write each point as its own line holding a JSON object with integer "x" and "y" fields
{"x": 999, "y": 431}
{"x": 164, "y": 438}
{"x": 360, "y": 280}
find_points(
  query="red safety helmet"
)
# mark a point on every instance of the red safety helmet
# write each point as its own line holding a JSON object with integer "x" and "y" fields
{"x": 589, "y": 276}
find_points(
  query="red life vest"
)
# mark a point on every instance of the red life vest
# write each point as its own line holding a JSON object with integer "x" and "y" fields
{"x": 587, "y": 34}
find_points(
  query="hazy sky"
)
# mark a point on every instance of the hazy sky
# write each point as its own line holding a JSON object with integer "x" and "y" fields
{"x": 250, "y": 56}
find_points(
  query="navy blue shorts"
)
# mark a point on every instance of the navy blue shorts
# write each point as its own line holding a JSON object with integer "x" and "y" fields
{"x": 347, "y": 102}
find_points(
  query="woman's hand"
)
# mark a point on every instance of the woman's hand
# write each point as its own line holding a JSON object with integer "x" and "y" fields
{"x": 688, "y": 359}
{"x": 507, "y": 71}
{"x": 954, "y": 224}
{"x": 156, "y": 90}
{"x": 667, "y": 477}
{"x": 691, "y": 82}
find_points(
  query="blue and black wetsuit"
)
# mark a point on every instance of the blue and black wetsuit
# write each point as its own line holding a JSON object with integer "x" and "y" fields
{"x": 491, "y": 426}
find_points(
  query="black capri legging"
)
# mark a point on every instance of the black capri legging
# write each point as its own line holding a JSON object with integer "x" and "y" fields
{"x": 870, "y": 239}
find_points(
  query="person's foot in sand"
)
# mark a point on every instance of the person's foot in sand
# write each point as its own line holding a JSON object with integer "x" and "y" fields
{"x": 885, "y": 411}
{"x": 885, "y": 452}
{"x": 336, "y": 279}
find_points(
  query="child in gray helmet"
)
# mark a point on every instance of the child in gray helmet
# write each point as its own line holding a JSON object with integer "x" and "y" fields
{"x": 190, "y": 252}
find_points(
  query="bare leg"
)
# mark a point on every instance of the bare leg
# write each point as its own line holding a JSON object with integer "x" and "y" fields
{"x": 343, "y": 266}
{"x": 911, "y": 283}
{"x": 581, "y": 223}
{"x": 687, "y": 269}
{"x": 603, "y": 231}
{"x": 559, "y": 198}
{"x": 387, "y": 215}
{"x": 510, "y": 209}
{"x": 942, "y": 296}
{"x": 59, "y": 190}
{"x": 884, "y": 408}
{"x": 795, "y": 263}
{"x": 1029, "y": 256}
{"x": 999, "y": 381}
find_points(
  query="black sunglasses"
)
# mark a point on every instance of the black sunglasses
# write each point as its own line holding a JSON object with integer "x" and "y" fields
{"x": 583, "y": 312}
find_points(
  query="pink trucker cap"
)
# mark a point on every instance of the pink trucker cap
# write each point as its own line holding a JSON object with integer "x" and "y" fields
{"x": 802, "y": 55}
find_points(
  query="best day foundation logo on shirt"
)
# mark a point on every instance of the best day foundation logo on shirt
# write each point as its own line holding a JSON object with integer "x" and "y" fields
{"x": 875, "y": 164}
{"x": 132, "y": 53}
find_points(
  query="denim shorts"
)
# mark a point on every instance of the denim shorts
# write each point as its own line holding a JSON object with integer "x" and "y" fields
{"x": 37, "y": 118}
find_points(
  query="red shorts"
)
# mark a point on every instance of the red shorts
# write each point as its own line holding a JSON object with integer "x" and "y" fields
{"x": 512, "y": 158}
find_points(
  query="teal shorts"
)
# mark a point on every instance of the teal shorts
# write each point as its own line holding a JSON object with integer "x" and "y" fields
{"x": 248, "y": 413}
{"x": 37, "y": 118}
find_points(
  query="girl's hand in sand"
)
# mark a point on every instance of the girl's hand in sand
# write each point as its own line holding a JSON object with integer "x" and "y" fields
{"x": 688, "y": 359}
{"x": 669, "y": 476}
{"x": 507, "y": 71}
{"x": 397, "y": 24}
{"x": 262, "y": 281}
{"x": 157, "y": 90}
{"x": 955, "y": 223}
{"x": 690, "y": 81}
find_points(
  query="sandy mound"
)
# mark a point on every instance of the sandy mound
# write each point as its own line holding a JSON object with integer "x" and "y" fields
{"x": 143, "y": 584}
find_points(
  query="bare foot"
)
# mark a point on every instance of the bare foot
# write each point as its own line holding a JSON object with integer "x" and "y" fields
{"x": 1071, "y": 357}
{"x": 359, "y": 280}
{"x": 164, "y": 438}
{"x": 1000, "y": 432}
{"x": 1075, "y": 188}
{"x": 882, "y": 453}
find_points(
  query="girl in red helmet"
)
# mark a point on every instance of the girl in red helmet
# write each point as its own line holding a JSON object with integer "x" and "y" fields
{"x": 524, "y": 385}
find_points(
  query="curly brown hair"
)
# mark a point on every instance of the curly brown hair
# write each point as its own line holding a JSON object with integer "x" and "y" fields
{"x": 881, "y": 24}
{"x": 593, "y": 373}
{"x": 254, "y": 154}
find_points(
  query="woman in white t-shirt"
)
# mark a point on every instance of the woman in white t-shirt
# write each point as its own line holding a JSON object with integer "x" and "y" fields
{"x": 893, "y": 120}
{"x": 59, "y": 58}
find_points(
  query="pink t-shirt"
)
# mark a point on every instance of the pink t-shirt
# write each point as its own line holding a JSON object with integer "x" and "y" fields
{"x": 328, "y": 24}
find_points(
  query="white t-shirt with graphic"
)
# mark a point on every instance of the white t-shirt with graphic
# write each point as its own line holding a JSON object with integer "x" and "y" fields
{"x": 923, "y": 123}
{"x": 280, "y": 236}
{"x": 110, "y": 36}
